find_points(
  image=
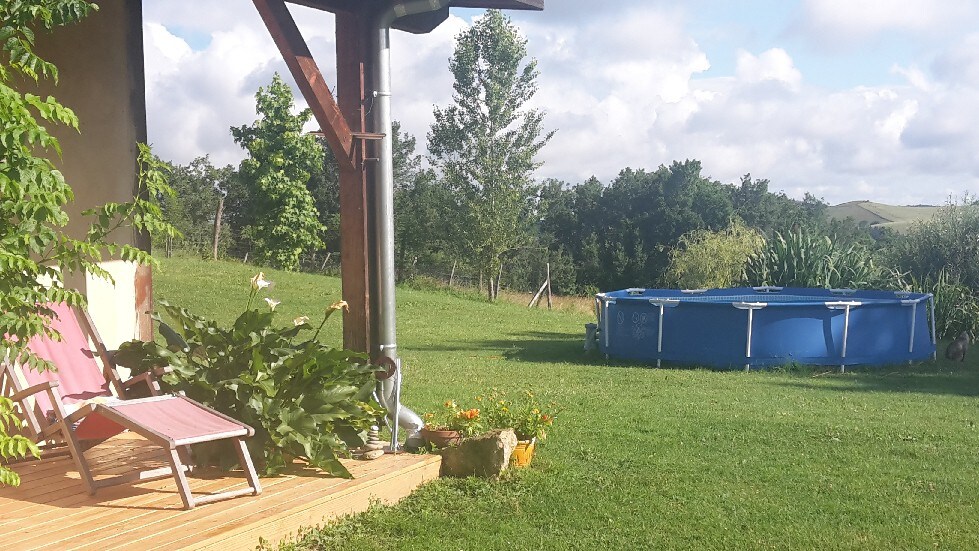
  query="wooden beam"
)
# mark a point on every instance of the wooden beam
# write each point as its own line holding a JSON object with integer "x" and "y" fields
{"x": 303, "y": 67}
{"x": 352, "y": 70}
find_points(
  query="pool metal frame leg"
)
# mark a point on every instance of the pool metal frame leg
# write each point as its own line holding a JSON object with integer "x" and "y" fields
{"x": 750, "y": 307}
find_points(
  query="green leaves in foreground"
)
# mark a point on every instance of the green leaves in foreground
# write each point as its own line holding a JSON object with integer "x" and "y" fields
{"x": 12, "y": 447}
{"x": 304, "y": 399}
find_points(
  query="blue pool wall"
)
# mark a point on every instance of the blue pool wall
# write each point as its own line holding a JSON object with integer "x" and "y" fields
{"x": 794, "y": 326}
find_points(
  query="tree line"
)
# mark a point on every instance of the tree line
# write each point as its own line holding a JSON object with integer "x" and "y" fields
{"x": 470, "y": 206}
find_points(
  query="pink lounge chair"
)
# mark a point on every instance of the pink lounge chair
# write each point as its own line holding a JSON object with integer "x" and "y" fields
{"x": 75, "y": 407}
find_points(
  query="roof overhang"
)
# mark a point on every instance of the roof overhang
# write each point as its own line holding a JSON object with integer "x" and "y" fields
{"x": 421, "y": 23}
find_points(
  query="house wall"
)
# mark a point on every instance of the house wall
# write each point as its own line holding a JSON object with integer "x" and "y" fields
{"x": 100, "y": 65}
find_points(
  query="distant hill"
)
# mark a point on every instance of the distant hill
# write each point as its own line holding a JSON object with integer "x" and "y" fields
{"x": 898, "y": 218}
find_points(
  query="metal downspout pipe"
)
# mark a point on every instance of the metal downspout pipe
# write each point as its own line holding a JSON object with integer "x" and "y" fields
{"x": 388, "y": 389}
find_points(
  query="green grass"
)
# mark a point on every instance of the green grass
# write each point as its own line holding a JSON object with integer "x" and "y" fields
{"x": 898, "y": 218}
{"x": 645, "y": 458}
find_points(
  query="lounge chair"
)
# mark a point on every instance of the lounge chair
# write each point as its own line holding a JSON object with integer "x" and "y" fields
{"x": 81, "y": 404}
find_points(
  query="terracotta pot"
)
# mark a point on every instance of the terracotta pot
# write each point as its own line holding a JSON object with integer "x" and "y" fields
{"x": 441, "y": 438}
{"x": 523, "y": 453}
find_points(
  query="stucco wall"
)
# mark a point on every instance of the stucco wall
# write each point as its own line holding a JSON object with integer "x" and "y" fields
{"x": 100, "y": 63}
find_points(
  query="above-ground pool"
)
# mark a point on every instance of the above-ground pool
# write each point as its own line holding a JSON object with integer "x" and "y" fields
{"x": 766, "y": 326}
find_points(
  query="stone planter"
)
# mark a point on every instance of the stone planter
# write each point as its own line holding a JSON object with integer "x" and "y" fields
{"x": 485, "y": 455}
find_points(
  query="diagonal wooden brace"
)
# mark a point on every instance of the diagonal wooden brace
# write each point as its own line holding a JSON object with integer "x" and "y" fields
{"x": 304, "y": 70}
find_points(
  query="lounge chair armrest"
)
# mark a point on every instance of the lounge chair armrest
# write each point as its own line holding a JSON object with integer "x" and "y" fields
{"x": 31, "y": 390}
{"x": 159, "y": 371}
{"x": 148, "y": 378}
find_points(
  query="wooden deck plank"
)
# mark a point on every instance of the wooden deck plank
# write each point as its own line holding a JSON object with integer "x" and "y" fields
{"x": 51, "y": 509}
{"x": 291, "y": 488}
{"x": 355, "y": 499}
{"x": 292, "y": 502}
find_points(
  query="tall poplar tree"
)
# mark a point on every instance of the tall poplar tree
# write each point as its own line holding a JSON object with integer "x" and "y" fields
{"x": 282, "y": 219}
{"x": 484, "y": 144}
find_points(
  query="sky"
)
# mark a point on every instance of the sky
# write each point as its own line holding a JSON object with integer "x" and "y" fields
{"x": 844, "y": 99}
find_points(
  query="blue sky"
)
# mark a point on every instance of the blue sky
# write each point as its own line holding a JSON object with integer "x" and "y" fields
{"x": 845, "y": 99}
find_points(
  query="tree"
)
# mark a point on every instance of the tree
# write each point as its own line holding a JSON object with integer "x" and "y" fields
{"x": 192, "y": 210}
{"x": 420, "y": 203}
{"x": 484, "y": 144}
{"x": 34, "y": 247}
{"x": 281, "y": 220}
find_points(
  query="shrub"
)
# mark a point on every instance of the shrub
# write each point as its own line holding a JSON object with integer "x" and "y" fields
{"x": 304, "y": 399}
{"x": 948, "y": 242}
{"x": 803, "y": 259}
{"x": 956, "y": 305}
{"x": 706, "y": 259}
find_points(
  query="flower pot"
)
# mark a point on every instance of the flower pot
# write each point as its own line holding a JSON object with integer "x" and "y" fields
{"x": 441, "y": 438}
{"x": 523, "y": 453}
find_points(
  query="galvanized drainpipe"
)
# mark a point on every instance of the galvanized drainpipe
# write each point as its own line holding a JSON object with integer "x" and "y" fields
{"x": 388, "y": 391}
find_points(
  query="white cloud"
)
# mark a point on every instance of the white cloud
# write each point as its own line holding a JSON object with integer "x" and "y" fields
{"x": 771, "y": 65}
{"x": 639, "y": 96}
{"x": 846, "y": 23}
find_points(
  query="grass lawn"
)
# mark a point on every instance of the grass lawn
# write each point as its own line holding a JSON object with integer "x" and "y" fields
{"x": 645, "y": 458}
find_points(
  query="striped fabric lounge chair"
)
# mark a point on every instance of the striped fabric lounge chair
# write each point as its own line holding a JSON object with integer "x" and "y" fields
{"x": 81, "y": 404}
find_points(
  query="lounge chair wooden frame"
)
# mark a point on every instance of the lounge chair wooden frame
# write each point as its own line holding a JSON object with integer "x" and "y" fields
{"x": 57, "y": 434}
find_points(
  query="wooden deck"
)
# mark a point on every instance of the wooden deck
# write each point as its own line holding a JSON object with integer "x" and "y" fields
{"x": 51, "y": 509}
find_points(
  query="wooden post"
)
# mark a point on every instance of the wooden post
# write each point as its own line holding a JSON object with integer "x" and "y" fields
{"x": 352, "y": 68}
{"x": 499, "y": 276}
{"x": 537, "y": 296}
{"x": 452, "y": 274}
{"x": 548, "y": 282}
{"x": 217, "y": 223}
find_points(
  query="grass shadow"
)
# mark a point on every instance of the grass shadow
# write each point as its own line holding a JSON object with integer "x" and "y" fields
{"x": 927, "y": 378}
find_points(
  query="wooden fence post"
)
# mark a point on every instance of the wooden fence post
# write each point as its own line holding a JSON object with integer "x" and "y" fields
{"x": 548, "y": 283}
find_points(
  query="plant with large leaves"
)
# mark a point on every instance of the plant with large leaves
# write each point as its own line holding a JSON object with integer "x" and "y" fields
{"x": 305, "y": 399}
{"x": 804, "y": 259}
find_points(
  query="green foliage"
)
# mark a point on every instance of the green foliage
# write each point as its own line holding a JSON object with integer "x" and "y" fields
{"x": 706, "y": 259}
{"x": 803, "y": 259}
{"x": 34, "y": 250}
{"x": 620, "y": 235}
{"x": 529, "y": 418}
{"x": 452, "y": 416}
{"x": 33, "y": 246}
{"x": 191, "y": 209}
{"x": 484, "y": 144}
{"x": 956, "y": 304}
{"x": 12, "y": 446}
{"x": 304, "y": 399}
{"x": 767, "y": 211}
{"x": 281, "y": 221}
{"x": 947, "y": 242}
